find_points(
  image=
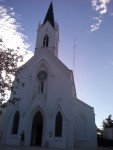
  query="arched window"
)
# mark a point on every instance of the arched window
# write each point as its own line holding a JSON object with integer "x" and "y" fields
{"x": 15, "y": 123}
{"x": 58, "y": 125}
{"x": 46, "y": 41}
{"x": 42, "y": 77}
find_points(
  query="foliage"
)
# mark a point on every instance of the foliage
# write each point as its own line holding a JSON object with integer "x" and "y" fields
{"x": 108, "y": 122}
{"x": 9, "y": 60}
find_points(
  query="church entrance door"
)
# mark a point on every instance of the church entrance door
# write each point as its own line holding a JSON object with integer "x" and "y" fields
{"x": 37, "y": 129}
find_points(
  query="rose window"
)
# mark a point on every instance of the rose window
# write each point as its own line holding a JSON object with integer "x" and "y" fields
{"x": 42, "y": 76}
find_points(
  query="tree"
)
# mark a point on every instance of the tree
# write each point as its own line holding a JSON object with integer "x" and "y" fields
{"x": 13, "y": 49}
{"x": 108, "y": 122}
{"x": 9, "y": 60}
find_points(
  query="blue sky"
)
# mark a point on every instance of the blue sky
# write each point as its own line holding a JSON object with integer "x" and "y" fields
{"x": 90, "y": 22}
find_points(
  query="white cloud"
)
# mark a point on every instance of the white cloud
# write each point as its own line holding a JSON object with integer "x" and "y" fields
{"x": 96, "y": 26}
{"x": 12, "y": 36}
{"x": 100, "y": 6}
{"x": 11, "y": 31}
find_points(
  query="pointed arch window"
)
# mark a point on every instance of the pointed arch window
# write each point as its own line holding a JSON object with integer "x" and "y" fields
{"x": 46, "y": 41}
{"x": 15, "y": 123}
{"x": 42, "y": 77}
{"x": 58, "y": 125}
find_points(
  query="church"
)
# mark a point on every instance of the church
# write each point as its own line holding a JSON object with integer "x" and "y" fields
{"x": 48, "y": 114}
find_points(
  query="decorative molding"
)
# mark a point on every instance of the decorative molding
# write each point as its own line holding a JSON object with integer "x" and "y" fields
{"x": 46, "y": 52}
{"x": 59, "y": 107}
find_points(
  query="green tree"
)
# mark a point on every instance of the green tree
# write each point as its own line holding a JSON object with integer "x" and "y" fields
{"x": 11, "y": 38}
{"x": 9, "y": 60}
{"x": 108, "y": 122}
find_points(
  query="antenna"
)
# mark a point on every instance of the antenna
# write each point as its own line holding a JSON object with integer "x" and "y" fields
{"x": 75, "y": 46}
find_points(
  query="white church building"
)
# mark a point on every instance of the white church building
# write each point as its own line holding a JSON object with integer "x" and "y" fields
{"x": 48, "y": 112}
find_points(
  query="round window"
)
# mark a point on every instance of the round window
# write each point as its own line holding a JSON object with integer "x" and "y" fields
{"x": 42, "y": 76}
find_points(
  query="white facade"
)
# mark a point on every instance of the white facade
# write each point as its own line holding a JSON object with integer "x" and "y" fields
{"x": 49, "y": 112}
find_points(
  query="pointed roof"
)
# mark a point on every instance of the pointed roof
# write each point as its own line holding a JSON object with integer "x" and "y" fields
{"x": 49, "y": 16}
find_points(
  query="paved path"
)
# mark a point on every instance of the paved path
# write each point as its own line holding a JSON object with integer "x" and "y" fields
{"x": 7, "y": 147}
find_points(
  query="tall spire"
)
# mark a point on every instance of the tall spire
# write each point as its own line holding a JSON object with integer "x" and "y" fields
{"x": 49, "y": 16}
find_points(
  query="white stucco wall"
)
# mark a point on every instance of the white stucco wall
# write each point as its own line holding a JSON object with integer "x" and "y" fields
{"x": 53, "y": 37}
{"x": 78, "y": 127}
{"x": 86, "y": 134}
{"x": 58, "y": 98}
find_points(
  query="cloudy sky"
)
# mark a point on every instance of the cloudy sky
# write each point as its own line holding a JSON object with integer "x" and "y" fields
{"x": 88, "y": 24}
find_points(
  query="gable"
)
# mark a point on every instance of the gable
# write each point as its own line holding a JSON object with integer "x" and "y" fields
{"x": 59, "y": 78}
{"x": 42, "y": 56}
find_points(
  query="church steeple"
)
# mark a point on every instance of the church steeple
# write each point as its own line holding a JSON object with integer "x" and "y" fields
{"x": 48, "y": 33}
{"x": 50, "y": 16}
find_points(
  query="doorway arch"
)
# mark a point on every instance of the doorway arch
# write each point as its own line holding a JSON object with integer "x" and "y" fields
{"x": 37, "y": 129}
